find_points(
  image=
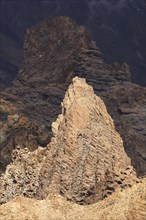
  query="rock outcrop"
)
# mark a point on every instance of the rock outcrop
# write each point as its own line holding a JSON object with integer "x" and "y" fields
{"x": 50, "y": 50}
{"x": 119, "y": 28}
{"x": 125, "y": 101}
{"x": 128, "y": 204}
{"x": 17, "y": 130}
{"x": 55, "y": 51}
{"x": 64, "y": 141}
{"x": 85, "y": 160}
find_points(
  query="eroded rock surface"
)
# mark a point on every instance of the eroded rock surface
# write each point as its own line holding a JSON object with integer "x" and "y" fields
{"x": 85, "y": 160}
{"x": 50, "y": 50}
{"x": 125, "y": 101}
{"x": 17, "y": 130}
{"x": 128, "y": 204}
{"x": 55, "y": 51}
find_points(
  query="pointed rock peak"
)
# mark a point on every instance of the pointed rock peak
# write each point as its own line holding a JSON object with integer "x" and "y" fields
{"x": 85, "y": 160}
{"x": 81, "y": 105}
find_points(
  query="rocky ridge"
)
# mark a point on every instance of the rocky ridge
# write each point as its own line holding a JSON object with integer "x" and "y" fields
{"x": 125, "y": 101}
{"x": 55, "y": 51}
{"x": 71, "y": 148}
{"x": 85, "y": 160}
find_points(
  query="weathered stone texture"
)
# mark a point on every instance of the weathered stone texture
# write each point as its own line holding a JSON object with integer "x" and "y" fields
{"x": 128, "y": 204}
{"x": 85, "y": 160}
{"x": 55, "y": 51}
{"x": 89, "y": 159}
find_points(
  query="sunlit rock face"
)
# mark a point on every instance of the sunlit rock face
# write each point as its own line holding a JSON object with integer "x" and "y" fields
{"x": 85, "y": 160}
{"x": 55, "y": 51}
{"x": 73, "y": 126}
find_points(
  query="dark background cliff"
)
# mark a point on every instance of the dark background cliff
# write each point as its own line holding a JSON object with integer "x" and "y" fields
{"x": 119, "y": 28}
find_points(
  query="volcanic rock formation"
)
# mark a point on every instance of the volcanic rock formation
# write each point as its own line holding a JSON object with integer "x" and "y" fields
{"x": 118, "y": 26}
{"x": 55, "y": 51}
{"x": 57, "y": 135}
{"x": 85, "y": 160}
{"x": 121, "y": 205}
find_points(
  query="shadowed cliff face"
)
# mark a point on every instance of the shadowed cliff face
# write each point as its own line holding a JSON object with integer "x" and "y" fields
{"x": 55, "y": 51}
{"x": 50, "y": 51}
{"x": 117, "y": 26}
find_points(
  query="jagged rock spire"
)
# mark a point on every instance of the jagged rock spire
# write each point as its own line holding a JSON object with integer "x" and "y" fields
{"x": 85, "y": 160}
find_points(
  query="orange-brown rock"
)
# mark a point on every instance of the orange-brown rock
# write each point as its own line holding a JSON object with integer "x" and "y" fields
{"x": 55, "y": 51}
{"x": 85, "y": 160}
{"x": 128, "y": 204}
{"x": 50, "y": 50}
{"x": 125, "y": 101}
{"x": 16, "y": 130}
{"x": 80, "y": 156}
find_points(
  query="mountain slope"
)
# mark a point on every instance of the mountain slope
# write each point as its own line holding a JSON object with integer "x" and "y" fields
{"x": 57, "y": 135}
{"x": 55, "y": 51}
{"x": 85, "y": 160}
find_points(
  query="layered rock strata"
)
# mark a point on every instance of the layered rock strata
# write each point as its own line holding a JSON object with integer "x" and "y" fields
{"x": 125, "y": 101}
{"x": 55, "y": 51}
{"x": 85, "y": 160}
{"x": 50, "y": 50}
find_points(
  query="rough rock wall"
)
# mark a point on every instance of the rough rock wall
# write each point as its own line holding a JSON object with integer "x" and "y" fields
{"x": 50, "y": 50}
{"x": 85, "y": 160}
{"x": 22, "y": 175}
{"x": 128, "y": 204}
{"x": 55, "y": 51}
{"x": 119, "y": 28}
{"x": 125, "y": 101}
{"x": 17, "y": 130}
